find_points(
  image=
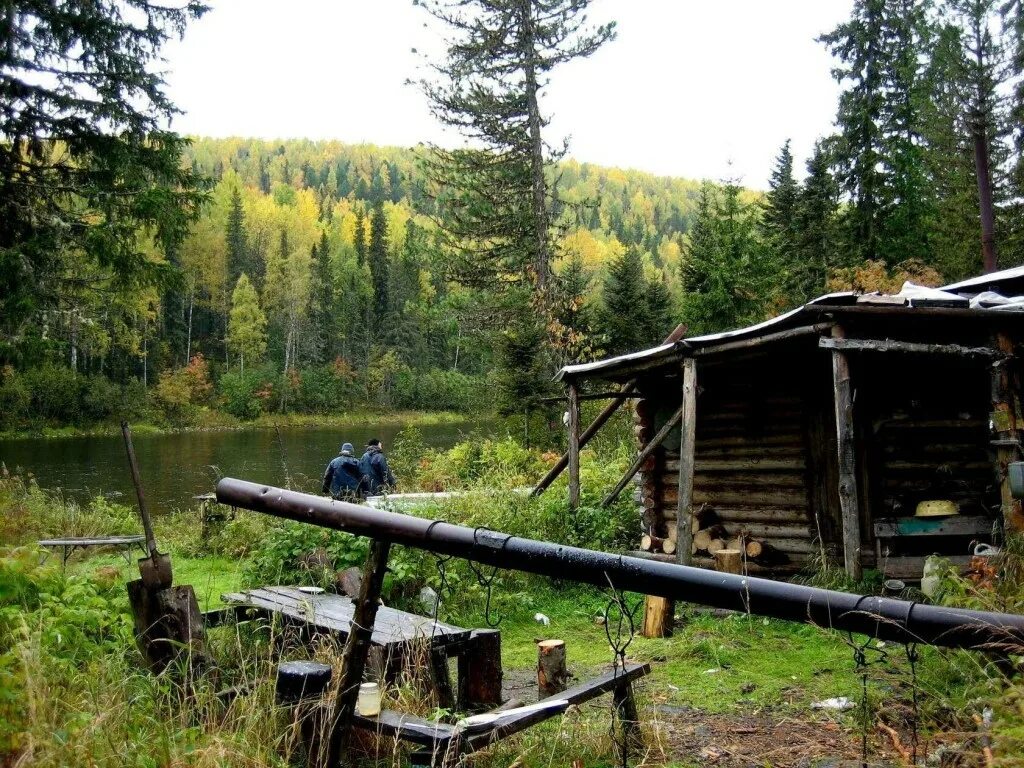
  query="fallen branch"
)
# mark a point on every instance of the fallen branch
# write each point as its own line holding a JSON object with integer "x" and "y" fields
{"x": 896, "y": 743}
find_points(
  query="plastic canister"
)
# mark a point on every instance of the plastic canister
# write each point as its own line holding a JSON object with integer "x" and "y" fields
{"x": 930, "y": 577}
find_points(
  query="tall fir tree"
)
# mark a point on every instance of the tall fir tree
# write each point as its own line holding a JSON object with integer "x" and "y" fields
{"x": 778, "y": 209}
{"x": 359, "y": 237}
{"x": 322, "y": 316}
{"x": 237, "y": 242}
{"x": 816, "y": 247}
{"x": 380, "y": 272}
{"x": 623, "y": 315}
{"x": 497, "y": 200}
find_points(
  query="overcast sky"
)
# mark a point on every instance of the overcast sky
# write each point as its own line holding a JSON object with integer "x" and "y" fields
{"x": 695, "y": 88}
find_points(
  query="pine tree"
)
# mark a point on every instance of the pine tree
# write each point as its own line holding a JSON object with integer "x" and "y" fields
{"x": 658, "y": 311}
{"x": 379, "y": 271}
{"x": 247, "y": 335}
{"x": 572, "y": 312}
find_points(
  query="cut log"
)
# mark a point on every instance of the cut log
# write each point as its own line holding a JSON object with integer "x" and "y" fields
{"x": 659, "y": 614}
{"x": 754, "y": 549}
{"x": 729, "y": 560}
{"x": 552, "y": 674}
{"x": 349, "y": 581}
{"x": 702, "y": 539}
{"x": 168, "y": 625}
{"x": 715, "y": 545}
{"x": 652, "y": 543}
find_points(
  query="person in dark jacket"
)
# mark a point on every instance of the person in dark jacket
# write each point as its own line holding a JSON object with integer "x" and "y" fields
{"x": 343, "y": 478}
{"x": 376, "y": 473}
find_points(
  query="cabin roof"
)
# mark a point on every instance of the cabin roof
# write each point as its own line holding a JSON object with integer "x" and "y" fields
{"x": 912, "y": 303}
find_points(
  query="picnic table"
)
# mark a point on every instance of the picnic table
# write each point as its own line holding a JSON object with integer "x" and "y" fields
{"x": 395, "y": 633}
{"x": 68, "y": 545}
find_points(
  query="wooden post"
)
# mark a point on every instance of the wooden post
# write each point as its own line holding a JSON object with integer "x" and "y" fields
{"x": 168, "y": 626}
{"x": 1007, "y": 432}
{"x": 846, "y": 451}
{"x": 659, "y": 615}
{"x": 626, "y": 714}
{"x": 574, "y": 447}
{"x": 687, "y": 447}
{"x": 357, "y": 648}
{"x": 480, "y": 671}
{"x": 552, "y": 674}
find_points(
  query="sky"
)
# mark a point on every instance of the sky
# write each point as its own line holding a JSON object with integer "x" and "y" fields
{"x": 692, "y": 88}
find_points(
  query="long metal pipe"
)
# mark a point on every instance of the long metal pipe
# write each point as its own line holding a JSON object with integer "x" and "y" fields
{"x": 879, "y": 617}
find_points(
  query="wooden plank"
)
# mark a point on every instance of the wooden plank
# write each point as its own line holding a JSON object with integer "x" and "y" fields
{"x": 406, "y": 727}
{"x": 687, "y": 448}
{"x": 1006, "y": 409}
{"x": 933, "y": 526}
{"x": 644, "y": 453}
{"x": 334, "y": 613}
{"x": 760, "y": 341}
{"x": 93, "y": 541}
{"x": 845, "y": 445}
{"x": 913, "y": 567}
{"x": 574, "y": 447}
{"x": 889, "y": 345}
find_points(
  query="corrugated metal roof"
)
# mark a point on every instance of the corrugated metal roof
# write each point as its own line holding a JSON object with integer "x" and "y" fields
{"x": 984, "y": 281}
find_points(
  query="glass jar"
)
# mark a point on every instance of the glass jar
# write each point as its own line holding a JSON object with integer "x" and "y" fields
{"x": 368, "y": 703}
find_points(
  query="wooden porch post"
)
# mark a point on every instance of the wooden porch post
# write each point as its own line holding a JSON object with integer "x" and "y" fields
{"x": 574, "y": 447}
{"x": 1007, "y": 432}
{"x": 848, "y": 501}
{"x": 357, "y": 648}
{"x": 687, "y": 444}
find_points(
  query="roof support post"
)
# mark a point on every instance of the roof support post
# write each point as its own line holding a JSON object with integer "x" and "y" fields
{"x": 849, "y": 504}
{"x": 687, "y": 449}
{"x": 1006, "y": 426}
{"x": 574, "y": 446}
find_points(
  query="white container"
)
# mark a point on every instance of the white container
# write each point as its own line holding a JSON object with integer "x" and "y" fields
{"x": 368, "y": 703}
{"x": 930, "y": 577}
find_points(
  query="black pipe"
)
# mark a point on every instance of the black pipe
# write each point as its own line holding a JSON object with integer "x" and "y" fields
{"x": 879, "y": 617}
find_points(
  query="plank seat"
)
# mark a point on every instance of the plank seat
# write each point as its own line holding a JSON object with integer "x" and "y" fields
{"x": 69, "y": 544}
{"x": 333, "y": 613}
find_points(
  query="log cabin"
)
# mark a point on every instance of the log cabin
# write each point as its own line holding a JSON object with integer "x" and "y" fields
{"x": 817, "y": 435}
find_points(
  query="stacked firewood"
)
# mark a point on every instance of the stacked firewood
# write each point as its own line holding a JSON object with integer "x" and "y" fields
{"x": 711, "y": 536}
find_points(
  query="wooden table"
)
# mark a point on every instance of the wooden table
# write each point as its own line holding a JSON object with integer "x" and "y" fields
{"x": 70, "y": 544}
{"x": 394, "y": 632}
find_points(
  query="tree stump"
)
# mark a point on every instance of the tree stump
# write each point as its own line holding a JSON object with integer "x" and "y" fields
{"x": 480, "y": 671}
{"x": 729, "y": 561}
{"x": 659, "y": 615}
{"x": 552, "y": 674}
{"x": 168, "y": 625}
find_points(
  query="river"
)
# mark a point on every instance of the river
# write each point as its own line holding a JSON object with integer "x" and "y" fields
{"x": 175, "y": 467}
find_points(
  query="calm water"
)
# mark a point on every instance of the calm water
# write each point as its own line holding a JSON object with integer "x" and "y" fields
{"x": 177, "y": 467}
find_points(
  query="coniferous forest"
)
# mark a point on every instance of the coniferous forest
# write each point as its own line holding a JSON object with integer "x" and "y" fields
{"x": 150, "y": 275}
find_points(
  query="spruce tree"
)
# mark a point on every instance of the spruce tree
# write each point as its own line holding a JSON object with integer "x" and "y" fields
{"x": 657, "y": 311}
{"x": 497, "y": 201}
{"x": 816, "y": 250}
{"x": 572, "y": 312}
{"x": 237, "y": 241}
{"x": 359, "y": 237}
{"x": 322, "y": 307}
{"x": 379, "y": 271}
{"x": 623, "y": 316}
{"x": 778, "y": 214}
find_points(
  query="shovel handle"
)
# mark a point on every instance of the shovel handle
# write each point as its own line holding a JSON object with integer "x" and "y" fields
{"x": 147, "y": 526}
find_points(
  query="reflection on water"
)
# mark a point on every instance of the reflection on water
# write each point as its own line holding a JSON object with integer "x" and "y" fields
{"x": 176, "y": 467}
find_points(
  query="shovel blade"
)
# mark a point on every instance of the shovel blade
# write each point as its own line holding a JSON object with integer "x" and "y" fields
{"x": 156, "y": 571}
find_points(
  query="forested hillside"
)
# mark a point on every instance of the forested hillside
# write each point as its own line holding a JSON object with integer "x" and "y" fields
{"x": 324, "y": 277}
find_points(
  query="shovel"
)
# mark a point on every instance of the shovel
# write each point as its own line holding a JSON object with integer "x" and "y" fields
{"x": 156, "y": 568}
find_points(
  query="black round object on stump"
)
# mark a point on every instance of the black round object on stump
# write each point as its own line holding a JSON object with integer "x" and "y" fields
{"x": 297, "y": 680}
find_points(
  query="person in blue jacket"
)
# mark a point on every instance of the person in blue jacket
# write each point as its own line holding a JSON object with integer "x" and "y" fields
{"x": 343, "y": 478}
{"x": 377, "y": 474}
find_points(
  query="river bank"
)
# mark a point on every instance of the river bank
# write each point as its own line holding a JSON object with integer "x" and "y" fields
{"x": 218, "y": 421}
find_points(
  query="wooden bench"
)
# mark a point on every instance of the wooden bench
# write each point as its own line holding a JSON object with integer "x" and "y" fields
{"x": 395, "y": 633}
{"x": 445, "y": 744}
{"x": 69, "y": 544}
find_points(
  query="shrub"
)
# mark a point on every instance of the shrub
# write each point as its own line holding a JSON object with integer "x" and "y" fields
{"x": 56, "y": 393}
{"x": 246, "y": 394}
{"x": 15, "y": 399}
{"x": 100, "y": 398}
